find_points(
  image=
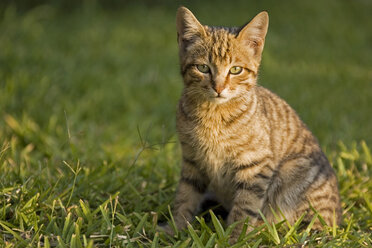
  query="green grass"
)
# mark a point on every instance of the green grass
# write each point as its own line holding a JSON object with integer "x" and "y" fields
{"x": 88, "y": 147}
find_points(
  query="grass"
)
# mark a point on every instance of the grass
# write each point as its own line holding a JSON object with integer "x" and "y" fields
{"x": 88, "y": 149}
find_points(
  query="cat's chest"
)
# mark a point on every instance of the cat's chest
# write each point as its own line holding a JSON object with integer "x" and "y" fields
{"x": 214, "y": 143}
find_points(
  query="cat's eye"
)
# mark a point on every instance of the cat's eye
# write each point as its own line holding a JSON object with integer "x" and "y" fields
{"x": 203, "y": 68}
{"x": 235, "y": 70}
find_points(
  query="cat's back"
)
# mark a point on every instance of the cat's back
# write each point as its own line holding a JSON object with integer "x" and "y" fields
{"x": 288, "y": 133}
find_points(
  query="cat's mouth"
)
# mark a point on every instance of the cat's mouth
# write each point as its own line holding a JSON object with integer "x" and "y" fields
{"x": 219, "y": 99}
{"x": 215, "y": 97}
{"x": 218, "y": 95}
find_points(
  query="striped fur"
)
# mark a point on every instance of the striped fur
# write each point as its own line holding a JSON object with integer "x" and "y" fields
{"x": 239, "y": 140}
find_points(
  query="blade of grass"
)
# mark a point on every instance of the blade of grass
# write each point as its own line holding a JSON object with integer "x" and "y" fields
{"x": 315, "y": 217}
{"x": 104, "y": 204}
{"x": 46, "y": 242}
{"x": 257, "y": 243}
{"x": 308, "y": 229}
{"x": 321, "y": 219}
{"x": 184, "y": 244}
{"x": 173, "y": 223}
{"x": 86, "y": 211}
{"x": 294, "y": 227}
{"x": 211, "y": 241}
{"x": 66, "y": 226}
{"x": 61, "y": 244}
{"x": 367, "y": 153}
{"x": 75, "y": 172}
{"x": 347, "y": 230}
{"x": 5, "y": 226}
{"x": 203, "y": 224}
{"x": 271, "y": 229}
{"x": 217, "y": 225}
{"x": 140, "y": 225}
{"x": 194, "y": 236}
{"x": 104, "y": 213}
{"x": 244, "y": 230}
{"x": 155, "y": 241}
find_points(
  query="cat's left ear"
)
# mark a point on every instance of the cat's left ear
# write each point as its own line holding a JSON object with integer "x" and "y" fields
{"x": 253, "y": 34}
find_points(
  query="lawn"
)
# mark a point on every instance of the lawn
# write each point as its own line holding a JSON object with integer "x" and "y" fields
{"x": 89, "y": 155}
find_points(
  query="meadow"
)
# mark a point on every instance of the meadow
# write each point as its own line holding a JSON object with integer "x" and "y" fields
{"x": 89, "y": 155}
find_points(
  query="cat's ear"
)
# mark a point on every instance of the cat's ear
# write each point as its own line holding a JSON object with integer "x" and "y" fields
{"x": 253, "y": 34}
{"x": 188, "y": 27}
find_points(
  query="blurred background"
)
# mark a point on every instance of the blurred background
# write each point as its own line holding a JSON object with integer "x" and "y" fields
{"x": 98, "y": 76}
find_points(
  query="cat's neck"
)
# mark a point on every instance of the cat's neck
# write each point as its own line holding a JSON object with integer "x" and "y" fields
{"x": 215, "y": 113}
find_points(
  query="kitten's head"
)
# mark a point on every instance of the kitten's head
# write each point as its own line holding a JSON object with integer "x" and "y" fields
{"x": 219, "y": 63}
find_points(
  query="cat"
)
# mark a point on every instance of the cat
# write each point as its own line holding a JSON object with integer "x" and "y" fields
{"x": 240, "y": 141}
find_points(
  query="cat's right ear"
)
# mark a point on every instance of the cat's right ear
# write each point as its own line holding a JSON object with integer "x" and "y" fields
{"x": 188, "y": 27}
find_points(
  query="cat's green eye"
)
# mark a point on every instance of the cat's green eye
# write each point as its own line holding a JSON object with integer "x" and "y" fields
{"x": 236, "y": 70}
{"x": 203, "y": 68}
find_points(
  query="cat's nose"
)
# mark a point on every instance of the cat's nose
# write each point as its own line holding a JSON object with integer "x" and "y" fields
{"x": 218, "y": 84}
{"x": 219, "y": 88}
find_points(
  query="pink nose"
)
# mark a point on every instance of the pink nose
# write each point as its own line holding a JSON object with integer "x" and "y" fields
{"x": 219, "y": 88}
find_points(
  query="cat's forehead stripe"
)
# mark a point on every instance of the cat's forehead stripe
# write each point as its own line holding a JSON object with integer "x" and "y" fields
{"x": 220, "y": 40}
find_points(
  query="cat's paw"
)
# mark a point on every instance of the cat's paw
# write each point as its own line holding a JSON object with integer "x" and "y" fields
{"x": 165, "y": 228}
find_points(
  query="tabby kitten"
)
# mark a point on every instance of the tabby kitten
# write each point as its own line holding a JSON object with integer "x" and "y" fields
{"x": 239, "y": 140}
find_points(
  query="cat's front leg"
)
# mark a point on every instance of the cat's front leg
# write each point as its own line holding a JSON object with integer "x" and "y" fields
{"x": 192, "y": 186}
{"x": 246, "y": 204}
{"x": 251, "y": 183}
